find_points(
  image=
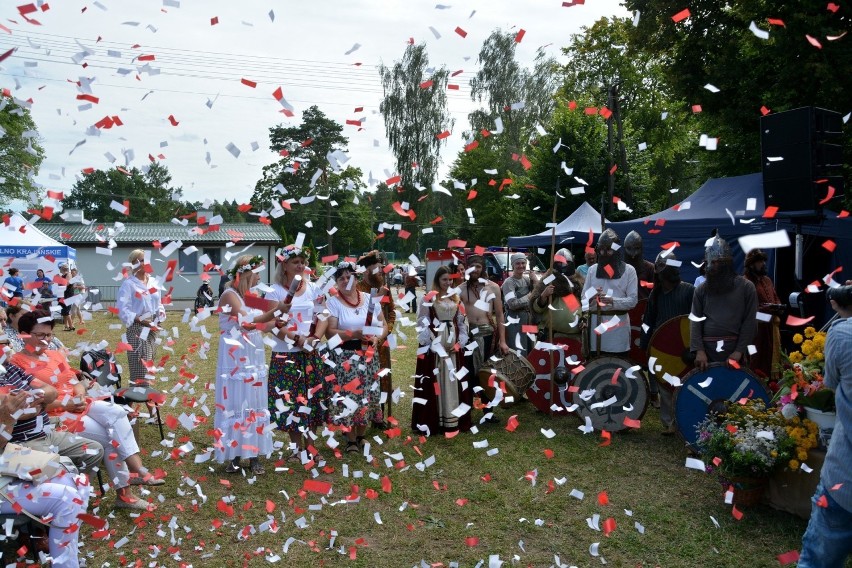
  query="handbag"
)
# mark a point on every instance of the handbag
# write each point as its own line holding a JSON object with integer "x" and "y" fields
{"x": 29, "y": 465}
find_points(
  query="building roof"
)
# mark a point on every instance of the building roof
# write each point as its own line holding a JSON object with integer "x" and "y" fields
{"x": 143, "y": 234}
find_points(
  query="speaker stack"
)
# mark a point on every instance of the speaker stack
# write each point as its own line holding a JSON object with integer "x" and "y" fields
{"x": 801, "y": 156}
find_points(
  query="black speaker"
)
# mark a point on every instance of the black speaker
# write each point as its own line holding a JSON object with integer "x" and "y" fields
{"x": 800, "y": 158}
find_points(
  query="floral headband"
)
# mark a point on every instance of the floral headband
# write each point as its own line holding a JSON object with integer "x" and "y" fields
{"x": 291, "y": 251}
{"x": 254, "y": 262}
{"x": 346, "y": 265}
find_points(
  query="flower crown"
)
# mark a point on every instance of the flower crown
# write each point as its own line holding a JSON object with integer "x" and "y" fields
{"x": 291, "y": 251}
{"x": 254, "y": 262}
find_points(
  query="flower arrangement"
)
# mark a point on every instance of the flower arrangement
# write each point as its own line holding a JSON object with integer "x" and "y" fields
{"x": 286, "y": 253}
{"x": 255, "y": 262}
{"x": 801, "y": 382}
{"x": 749, "y": 440}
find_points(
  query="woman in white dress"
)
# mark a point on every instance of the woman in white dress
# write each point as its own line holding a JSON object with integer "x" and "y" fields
{"x": 356, "y": 398}
{"x": 242, "y": 422}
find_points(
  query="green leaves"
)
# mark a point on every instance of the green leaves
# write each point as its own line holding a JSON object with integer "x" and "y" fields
{"x": 21, "y": 154}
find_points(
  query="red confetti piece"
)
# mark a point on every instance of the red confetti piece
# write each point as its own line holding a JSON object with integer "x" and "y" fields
{"x": 632, "y": 423}
{"x": 607, "y": 439}
{"x": 591, "y": 111}
{"x": 829, "y": 245}
{"x": 813, "y": 41}
{"x": 386, "y": 484}
{"x": 828, "y": 196}
{"x": 525, "y": 163}
{"x": 764, "y": 111}
{"x": 608, "y": 526}
{"x": 603, "y": 498}
{"x": 471, "y": 541}
{"x": 512, "y": 423}
{"x": 793, "y": 321}
{"x": 770, "y": 212}
{"x": 822, "y": 501}
{"x": 680, "y": 16}
{"x": 214, "y": 20}
{"x": 548, "y": 453}
{"x": 147, "y": 58}
{"x": 442, "y": 135}
{"x": 314, "y": 486}
{"x": 605, "y": 112}
{"x": 472, "y": 146}
{"x": 696, "y": 109}
{"x": 738, "y": 515}
{"x": 612, "y": 170}
{"x": 426, "y": 84}
{"x": 393, "y": 180}
{"x": 788, "y": 557}
{"x": 776, "y": 22}
{"x": 520, "y": 35}
{"x": 248, "y": 83}
{"x": 461, "y": 32}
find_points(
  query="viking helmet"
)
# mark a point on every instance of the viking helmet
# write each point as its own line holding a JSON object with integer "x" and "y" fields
{"x": 607, "y": 239}
{"x": 633, "y": 245}
{"x": 717, "y": 248}
{"x": 567, "y": 266}
{"x": 660, "y": 262}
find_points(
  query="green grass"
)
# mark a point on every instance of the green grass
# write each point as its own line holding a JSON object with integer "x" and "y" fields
{"x": 640, "y": 471}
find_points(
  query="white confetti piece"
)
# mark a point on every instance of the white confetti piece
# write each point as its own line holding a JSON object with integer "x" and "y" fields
{"x": 694, "y": 463}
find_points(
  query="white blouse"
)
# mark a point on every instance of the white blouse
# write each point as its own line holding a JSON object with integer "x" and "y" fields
{"x": 135, "y": 299}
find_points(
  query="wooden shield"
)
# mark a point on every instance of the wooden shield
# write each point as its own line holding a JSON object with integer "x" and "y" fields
{"x": 702, "y": 388}
{"x": 608, "y": 396}
{"x": 669, "y": 345}
{"x": 539, "y": 392}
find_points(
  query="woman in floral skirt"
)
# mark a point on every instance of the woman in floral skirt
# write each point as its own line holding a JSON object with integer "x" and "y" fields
{"x": 360, "y": 326}
{"x": 297, "y": 394}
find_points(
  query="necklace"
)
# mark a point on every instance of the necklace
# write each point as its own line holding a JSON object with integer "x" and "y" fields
{"x": 356, "y": 304}
{"x": 299, "y": 287}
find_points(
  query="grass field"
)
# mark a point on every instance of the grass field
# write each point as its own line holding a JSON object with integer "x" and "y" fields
{"x": 467, "y": 507}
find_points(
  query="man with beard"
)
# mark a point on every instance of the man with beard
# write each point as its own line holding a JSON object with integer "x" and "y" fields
{"x": 516, "y": 293}
{"x": 644, "y": 269}
{"x": 768, "y": 339}
{"x": 374, "y": 279}
{"x": 611, "y": 290}
{"x": 669, "y": 298}
{"x": 483, "y": 305}
{"x": 561, "y": 293}
{"x": 726, "y": 307}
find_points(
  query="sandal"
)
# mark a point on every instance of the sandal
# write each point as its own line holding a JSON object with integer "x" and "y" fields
{"x": 257, "y": 467}
{"x": 352, "y": 448}
{"x": 232, "y": 468}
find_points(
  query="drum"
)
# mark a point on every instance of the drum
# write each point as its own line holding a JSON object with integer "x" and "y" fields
{"x": 669, "y": 345}
{"x": 608, "y": 396}
{"x": 636, "y": 314}
{"x": 513, "y": 372}
{"x": 539, "y": 391}
{"x": 700, "y": 389}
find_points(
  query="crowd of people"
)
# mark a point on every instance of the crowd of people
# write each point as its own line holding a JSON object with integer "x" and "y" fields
{"x": 330, "y": 359}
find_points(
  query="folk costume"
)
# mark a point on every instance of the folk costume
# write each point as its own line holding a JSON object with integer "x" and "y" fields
{"x": 442, "y": 336}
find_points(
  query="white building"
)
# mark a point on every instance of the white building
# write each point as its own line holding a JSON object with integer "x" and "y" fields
{"x": 103, "y": 248}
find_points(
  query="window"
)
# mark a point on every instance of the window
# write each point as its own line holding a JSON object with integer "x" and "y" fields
{"x": 214, "y": 254}
{"x": 188, "y": 263}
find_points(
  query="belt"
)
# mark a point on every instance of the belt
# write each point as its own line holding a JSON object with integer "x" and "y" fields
{"x": 721, "y": 338}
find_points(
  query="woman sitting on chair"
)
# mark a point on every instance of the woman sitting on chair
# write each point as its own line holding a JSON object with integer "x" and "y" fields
{"x": 73, "y": 410}
{"x": 60, "y": 498}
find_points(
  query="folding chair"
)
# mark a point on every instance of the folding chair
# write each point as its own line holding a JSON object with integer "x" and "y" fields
{"x": 23, "y": 532}
{"x": 102, "y": 367}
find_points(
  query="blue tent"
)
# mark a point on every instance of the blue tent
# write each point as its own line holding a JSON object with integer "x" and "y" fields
{"x": 573, "y": 230}
{"x": 735, "y": 207}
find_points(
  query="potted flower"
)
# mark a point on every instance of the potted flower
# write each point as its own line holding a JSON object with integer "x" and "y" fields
{"x": 801, "y": 383}
{"x": 746, "y": 444}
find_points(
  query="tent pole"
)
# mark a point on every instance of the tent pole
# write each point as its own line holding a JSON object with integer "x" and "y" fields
{"x": 550, "y": 299}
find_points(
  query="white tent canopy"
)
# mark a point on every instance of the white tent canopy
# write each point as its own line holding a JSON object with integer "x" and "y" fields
{"x": 574, "y": 229}
{"x": 26, "y": 248}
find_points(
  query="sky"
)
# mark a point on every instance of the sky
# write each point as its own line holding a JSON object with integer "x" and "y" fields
{"x": 194, "y": 99}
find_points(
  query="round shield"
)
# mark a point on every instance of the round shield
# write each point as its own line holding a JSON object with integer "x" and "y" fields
{"x": 539, "y": 393}
{"x": 669, "y": 346}
{"x": 636, "y": 353}
{"x": 606, "y": 394}
{"x": 700, "y": 389}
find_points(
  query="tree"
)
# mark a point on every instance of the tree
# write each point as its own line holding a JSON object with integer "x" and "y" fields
{"x": 520, "y": 99}
{"x": 415, "y": 112}
{"x": 21, "y": 154}
{"x": 715, "y": 46}
{"x": 147, "y": 191}
{"x": 320, "y": 195}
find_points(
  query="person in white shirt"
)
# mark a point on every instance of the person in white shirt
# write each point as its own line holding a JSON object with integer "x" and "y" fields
{"x": 360, "y": 326}
{"x": 298, "y": 398}
{"x": 614, "y": 291}
{"x": 140, "y": 308}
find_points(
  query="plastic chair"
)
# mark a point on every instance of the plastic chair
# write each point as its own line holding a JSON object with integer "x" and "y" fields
{"x": 102, "y": 367}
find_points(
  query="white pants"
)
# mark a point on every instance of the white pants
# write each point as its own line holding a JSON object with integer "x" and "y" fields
{"x": 107, "y": 424}
{"x": 61, "y": 499}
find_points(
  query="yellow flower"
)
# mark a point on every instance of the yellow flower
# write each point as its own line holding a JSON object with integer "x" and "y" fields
{"x": 816, "y": 356}
{"x": 808, "y": 347}
{"x": 797, "y": 339}
{"x": 796, "y": 357}
{"x": 802, "y": 454}
{"x": 793, "y": 464}
{"x": 819, "y": 340}
{"x": 810, "y": 332}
